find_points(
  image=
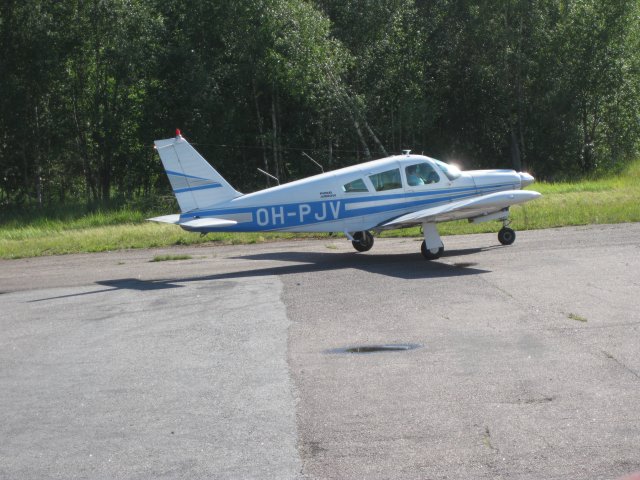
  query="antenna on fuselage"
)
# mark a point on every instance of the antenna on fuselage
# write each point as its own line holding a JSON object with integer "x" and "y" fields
{"x": 309, "y": 157}
{"x": 269, "y": 175}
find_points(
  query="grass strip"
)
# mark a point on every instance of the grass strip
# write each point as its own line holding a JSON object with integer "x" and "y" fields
{"x": 169, "y": 258}
{"x": 604, "y": 201}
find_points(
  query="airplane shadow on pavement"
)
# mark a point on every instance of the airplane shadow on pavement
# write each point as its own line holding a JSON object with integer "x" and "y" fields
{"x": 406, "y": 266}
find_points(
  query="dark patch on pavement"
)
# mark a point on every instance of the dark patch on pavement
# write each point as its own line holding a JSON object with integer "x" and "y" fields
{"x": 403, "y": 347}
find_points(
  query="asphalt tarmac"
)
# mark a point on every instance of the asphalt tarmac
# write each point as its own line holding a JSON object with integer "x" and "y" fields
{"x": 517, "y": 362}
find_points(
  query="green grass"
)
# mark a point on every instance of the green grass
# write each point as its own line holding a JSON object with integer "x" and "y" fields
{"x": 73, "y": 230}
{"x": 168, "y": 258}
{"x": 574, "y": 316}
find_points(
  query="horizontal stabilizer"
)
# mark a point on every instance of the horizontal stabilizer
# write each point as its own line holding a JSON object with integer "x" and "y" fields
{"x": 175, "y": 219}
{"x": 468, "y": 208}
{"x": 194, "y": 223}
{"x": 208, "y": 222}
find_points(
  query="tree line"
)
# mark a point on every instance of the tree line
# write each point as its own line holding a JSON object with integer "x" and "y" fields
{"x": 86, "y": 86}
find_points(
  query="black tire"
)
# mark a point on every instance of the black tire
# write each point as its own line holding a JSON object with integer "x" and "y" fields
{"x": 362, "y": 241}
{"x": 506, "y": 236}
{"x": 428, "y": 254}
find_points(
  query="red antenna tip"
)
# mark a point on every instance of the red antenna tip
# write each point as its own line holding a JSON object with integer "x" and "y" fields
{"x": 178, "y": 134}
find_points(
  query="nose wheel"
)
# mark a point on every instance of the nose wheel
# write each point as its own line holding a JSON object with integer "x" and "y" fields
{"x": 506, "y": 236}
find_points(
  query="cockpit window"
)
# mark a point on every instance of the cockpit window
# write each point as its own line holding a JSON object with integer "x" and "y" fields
{"x": 355, "y": 186}
{"x": 421, "y": 174}
{"x": 389, "y": 180}
{"x": 452, "y": 172}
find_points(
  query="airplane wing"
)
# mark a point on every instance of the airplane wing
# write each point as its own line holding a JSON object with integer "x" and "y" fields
{"x": 194, "y": 223}
{"x": 472, "y": 208}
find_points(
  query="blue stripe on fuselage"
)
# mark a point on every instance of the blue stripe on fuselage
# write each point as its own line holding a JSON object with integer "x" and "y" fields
{"x": 292, "y": 215}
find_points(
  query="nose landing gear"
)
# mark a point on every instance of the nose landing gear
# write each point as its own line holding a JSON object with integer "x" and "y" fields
{"x": 506, "y": 235}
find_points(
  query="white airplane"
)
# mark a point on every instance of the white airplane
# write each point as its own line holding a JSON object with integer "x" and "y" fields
{"x": 394, "y": 192}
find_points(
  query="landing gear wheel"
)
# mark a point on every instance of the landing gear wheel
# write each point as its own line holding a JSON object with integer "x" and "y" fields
{"x": 506, "y": 236}
{"x": 362, "y": 241}
{"x": 432, "y": 254}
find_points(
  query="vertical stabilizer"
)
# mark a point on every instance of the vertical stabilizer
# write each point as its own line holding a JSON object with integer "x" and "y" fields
{"x": 195, "y": 183}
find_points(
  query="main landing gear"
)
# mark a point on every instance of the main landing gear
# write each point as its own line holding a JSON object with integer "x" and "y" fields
{"x": 362, "y": 241}
{"x": 431, "y": 254}
{"x": 432, "y": 247}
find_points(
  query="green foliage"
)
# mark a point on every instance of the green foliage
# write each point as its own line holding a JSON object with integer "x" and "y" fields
{"x": 552, "y": 87}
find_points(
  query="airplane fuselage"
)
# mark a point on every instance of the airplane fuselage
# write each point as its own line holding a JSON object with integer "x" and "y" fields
{"x": 394, "y": 192}
{"x": 328, "y": 203}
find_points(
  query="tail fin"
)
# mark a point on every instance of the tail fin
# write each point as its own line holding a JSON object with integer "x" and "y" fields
{"x": 195, "y": 183}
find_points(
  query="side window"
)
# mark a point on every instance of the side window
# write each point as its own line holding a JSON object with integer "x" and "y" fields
{"x": 389, "y": 180}
{"x": 421, "y": 174}
{"x": 355, "y": 186}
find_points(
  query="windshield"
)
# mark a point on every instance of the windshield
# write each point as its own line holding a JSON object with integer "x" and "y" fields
{"x": 451, "y": 171}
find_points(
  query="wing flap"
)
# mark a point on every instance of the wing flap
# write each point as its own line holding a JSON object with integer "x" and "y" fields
{"x": 468, "y": 208}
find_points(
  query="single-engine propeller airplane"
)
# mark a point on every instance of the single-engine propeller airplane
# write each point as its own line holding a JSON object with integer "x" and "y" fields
{"x": 393, "y": 192}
